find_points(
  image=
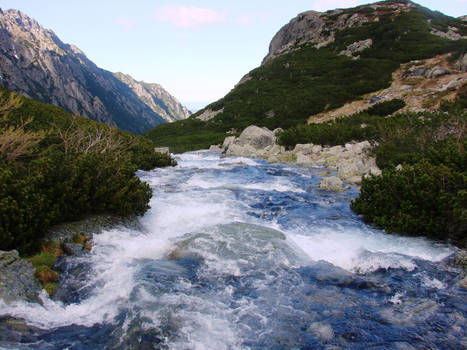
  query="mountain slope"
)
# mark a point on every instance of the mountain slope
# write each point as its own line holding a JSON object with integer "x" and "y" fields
{"x": 156, "y": 98}
{"x": 321, "y": 61}
{"x": 37, "y": 64}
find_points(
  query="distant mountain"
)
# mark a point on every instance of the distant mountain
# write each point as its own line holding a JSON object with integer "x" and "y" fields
{"x": 37, "y": 64}
{"x": 322, "y": 65}
{"x": 156, "y": 97}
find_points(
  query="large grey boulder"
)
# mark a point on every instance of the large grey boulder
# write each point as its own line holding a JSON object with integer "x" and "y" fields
{"x": 252, "y": 142}
{"x": 17, "y": 281}
{"x": 258, "y": 138}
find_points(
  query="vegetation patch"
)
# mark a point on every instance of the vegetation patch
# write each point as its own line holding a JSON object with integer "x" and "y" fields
{"x": 56, "y": 167}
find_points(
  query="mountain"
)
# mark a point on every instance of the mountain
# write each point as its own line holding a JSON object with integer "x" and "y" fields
{"x": 37, "y": 64}
{"x": 322, "y": 65}
{"x": 156, "y": 98}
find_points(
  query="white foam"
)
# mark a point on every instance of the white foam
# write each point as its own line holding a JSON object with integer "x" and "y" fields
{"x": 433, "y": 282}
{"x": 366, "y": 250}
{"x": 111, "y": 280}
{"x": 396, "y": 299}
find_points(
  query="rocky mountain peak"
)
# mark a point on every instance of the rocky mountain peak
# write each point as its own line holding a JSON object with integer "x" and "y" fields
{"x": 320, "y": 28}
{"x": 36, "y": 63}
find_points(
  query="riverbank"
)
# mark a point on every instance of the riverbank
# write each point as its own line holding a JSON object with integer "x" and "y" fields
{"x": 351, "y": 162}
{"x": 19, "y": 277}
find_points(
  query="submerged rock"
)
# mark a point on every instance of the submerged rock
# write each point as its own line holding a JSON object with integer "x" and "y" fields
{"x": 322, "y": 330}
{"x": 17, "y": 281}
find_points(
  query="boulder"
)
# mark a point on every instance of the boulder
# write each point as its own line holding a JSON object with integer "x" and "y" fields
{"x": 252, "y": 142}
{"x": 256, "y": 137}
{"x": 436, "y": 72}
{"x": 241, "y": 150}
{"x": 17, "y": 281}
{"x": 163, "y": 150}
{"x": 304, "y": 160}
{"x": 227, "y": 142}
{"x": 331, "y": 183}
{"x": 304, "y": 148}
{"x": 215, "y": 148}
{"x": 358, "y": 148}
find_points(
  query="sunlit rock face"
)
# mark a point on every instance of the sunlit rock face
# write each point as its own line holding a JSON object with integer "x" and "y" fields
{"x": 37, "y": 64}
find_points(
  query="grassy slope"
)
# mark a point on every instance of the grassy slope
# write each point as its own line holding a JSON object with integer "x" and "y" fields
{"x": 290, "y": 88}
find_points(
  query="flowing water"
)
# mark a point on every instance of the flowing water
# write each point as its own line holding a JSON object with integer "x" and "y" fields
{"x": 240, "y": 254}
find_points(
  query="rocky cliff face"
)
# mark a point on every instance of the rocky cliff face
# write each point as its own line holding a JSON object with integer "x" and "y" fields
{"x": 37, "y": 64}
{"x": 320, "y": 28}
{"x": 156, "y": 97}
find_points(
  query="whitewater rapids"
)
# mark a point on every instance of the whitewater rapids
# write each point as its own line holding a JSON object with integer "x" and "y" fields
{"x": 236, "y": 253}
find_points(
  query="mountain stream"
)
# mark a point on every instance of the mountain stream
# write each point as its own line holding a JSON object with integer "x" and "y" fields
{"x": 236, "y": 253}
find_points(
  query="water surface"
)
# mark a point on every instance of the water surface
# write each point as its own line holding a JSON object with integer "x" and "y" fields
{"x": 236, "y": 253}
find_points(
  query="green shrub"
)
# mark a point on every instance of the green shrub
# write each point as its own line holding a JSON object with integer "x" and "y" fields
{"x": 50, "y": 288}
{"x": 421, "y": 200}
{"x": 43, "y": 259}
{"x": 74, "y": 168}
{"x": 386, "y": 107}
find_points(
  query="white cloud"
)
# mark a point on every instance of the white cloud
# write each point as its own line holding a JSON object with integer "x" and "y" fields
{"x": 188, "y": 16}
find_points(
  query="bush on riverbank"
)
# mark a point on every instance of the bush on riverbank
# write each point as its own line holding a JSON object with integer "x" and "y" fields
{"x": 55, "y": 167}
{"x": 426, "y": 198}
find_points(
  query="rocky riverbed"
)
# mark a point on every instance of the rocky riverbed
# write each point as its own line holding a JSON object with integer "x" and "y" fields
{"x": 351, "y": 161}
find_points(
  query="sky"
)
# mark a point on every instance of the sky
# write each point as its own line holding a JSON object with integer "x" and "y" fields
{"x": 197, "y": 50}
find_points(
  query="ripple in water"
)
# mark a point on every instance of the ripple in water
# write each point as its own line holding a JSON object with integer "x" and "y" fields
{"x": 239, "y": 254}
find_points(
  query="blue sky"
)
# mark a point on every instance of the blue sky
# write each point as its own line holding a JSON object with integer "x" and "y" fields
{"x": 198, "y": 50}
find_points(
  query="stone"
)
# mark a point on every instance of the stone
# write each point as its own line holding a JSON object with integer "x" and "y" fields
{"x": 258, "y": 138}
{"x": 322, "y": 330}
{"x": 375, "y": 99}
{"x": 215, "y": 148}
{"x": 331, "y": 183}
{"x": 357, "y": 47}
{"x": 17, "y": 280}
{"x": 416, "y": 72}
{"x": 227, "y": 142}
{"x": 351, "y": 168}
{"x": 241, "y": 150}
{"x": 163, "y": 150}
{"x": 304, "y": 160}
{"x": 273, "y": 150}
{"x": 304, "y": 148}
{"x": 317, "y": 148}
{"x": 252, "y": 142}
{"x": 436, "y": 72}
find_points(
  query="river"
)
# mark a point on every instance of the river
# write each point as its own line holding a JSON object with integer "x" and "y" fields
{"x": 236, "y": 253}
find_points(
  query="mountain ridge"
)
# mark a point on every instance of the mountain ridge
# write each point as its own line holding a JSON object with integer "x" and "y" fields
{"x": 37, "y": 64}
{"x": 319, "y": 62}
